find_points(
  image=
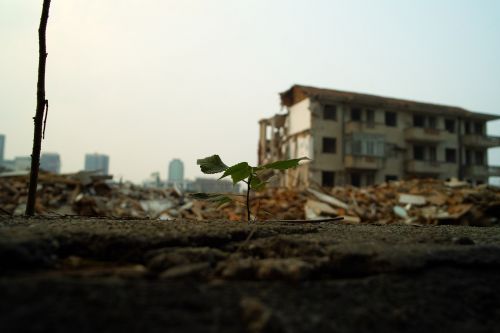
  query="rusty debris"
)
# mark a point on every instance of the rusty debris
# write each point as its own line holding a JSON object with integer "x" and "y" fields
{"x": 416, "y": 202}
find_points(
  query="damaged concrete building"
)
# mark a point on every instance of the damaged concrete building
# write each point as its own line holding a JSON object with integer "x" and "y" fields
{"x": 362, "y": 139}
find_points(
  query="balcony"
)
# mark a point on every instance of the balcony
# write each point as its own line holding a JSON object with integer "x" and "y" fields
{"x": 362, "y": 162}
{"x": 361, "y": 126}
{"x": 419, "y": 134}
{"x": 482, "y": 141}
{"x": 482, "y": 171}
{"x": 426, "y": 167}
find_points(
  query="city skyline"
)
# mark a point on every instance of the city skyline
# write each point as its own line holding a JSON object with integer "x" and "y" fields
{"x": 192, "y": 78}
{"x": 52, "y": 161}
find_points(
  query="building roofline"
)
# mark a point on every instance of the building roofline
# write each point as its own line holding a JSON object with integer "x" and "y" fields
{"x": 298, "y": 93}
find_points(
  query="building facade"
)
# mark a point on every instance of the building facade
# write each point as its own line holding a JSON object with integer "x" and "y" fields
{"x": 97, "y": 162}
{"x": 50, "y": 162}
{"x": 362, "y": 139}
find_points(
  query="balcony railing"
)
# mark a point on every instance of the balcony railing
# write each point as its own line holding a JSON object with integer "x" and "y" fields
{"x": 430, "y": 167}
{"x": 426, "y": 134}
{"x": 484, "y": 141}
{"x": 363, "y": 126}
{"x": 482, "y": 171}
{"x": 362, "y": 162}
{"x": 494, "y": 171}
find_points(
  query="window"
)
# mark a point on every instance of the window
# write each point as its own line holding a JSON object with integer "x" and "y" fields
{"x": 418, "y": 153}
{"x": 449, "y": 125}
{"x": 327, "y": 178}
{"x": 418, "y": 120}
{"x": 356, "y": 147}
{"x": 468, "y": 157}
{"x": 355, "y": 179}
{"x": 478, "y": 127}
{"x": 370, "y": 117}
{"x": 432, "y": 154}
{"x": 391, "y": 119}
{"x": 479, "y": 157}
{"x": 451, "y": 155}
{"x": 432, "y": 122}
{"x": 330, "y": 112}
{"x": 389, "y": 178}
{"x": 356, "y": 114}
{"x": 467, "y": 128}
{"x": 370, "y": 148}
{"x": 370, "y": 179}
{"x": 330, "y": 145}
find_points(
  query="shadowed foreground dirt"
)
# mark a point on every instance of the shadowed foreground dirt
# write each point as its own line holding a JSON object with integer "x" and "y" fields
{"x": 96, "y": 275}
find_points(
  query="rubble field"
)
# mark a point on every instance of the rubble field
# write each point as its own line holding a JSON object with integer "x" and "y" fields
{"x": 408, "y": 256}
{"x": 413, "y": 202}
{"x": 120, "y": 275}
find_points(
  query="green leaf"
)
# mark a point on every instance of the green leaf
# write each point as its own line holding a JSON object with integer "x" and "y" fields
{"x": 238, "y": 172}
{"x": 257, "y": 183}
{"x": 286, "y": 164}
{"x": 211, "y": 164}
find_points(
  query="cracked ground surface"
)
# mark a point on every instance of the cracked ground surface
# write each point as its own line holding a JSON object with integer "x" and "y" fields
{"x": 84, "y": 275}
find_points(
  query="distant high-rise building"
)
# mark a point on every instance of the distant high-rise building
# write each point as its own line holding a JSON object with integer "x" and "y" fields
{"x": 22, "y": 163}
{"x": 50, "y": 162}
{"x": 2, "y": 147}
{"x": 97, "y": 162}
{"x": 175, "y": 171}
{"x": 212, "y": 185}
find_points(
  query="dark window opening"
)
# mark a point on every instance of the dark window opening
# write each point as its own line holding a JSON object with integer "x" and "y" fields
{"x": 370, "y": 117}
{"x": 418, "y": 120}
{"x": 356, "y": 114}
{"x": 389, "y": 178}
{"x": 467, "y": 128}
{"x": 451, "y": 155}
{"x": 418, "y": 153}
{"x": 432, "y": 154}
{"x": 449, "y": 125}
{"x": 370, "y": 179}
{"x": 329, "y": 145}
{"x": 327, "y": 179}
{"x": 355, "y": 179}
{"x": 432, "y": 122}
{"x": 391, "y": 119}
{"x": 479, "y": 157}
{"x": 478, "y": 127}
{"x": 468, "y": 157}
{"x": 330, "y": 112}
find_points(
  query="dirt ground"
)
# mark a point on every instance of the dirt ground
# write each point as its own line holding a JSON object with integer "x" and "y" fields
{"x": 99, "y": 275}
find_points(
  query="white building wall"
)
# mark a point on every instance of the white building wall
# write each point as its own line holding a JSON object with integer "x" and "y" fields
{"x": 299, "y": 117}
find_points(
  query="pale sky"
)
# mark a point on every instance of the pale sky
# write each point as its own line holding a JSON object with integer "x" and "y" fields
{"x": 152, "y": 80}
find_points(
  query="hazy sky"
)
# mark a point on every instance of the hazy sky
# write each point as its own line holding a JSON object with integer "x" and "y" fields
{"x": 151, "y": 80}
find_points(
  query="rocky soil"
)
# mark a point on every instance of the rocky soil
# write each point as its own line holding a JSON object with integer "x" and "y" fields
{"x": 93, "y": 275}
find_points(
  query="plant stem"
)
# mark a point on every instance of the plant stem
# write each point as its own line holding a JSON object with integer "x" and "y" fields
{"x": 41, "y": 105}
{"x": 248, "y": 198}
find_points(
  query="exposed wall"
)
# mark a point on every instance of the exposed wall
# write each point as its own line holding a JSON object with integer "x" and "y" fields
{"x": 299, "y": 117}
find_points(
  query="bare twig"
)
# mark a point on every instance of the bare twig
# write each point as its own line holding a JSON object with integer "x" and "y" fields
{"x": 41, "y": 102}
{"x": 45, "y": 120}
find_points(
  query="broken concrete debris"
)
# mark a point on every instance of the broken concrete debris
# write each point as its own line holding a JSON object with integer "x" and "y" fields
{"x": 419, "y": 201}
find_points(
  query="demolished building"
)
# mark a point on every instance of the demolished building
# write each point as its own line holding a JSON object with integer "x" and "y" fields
{"x": 360, "y": 139}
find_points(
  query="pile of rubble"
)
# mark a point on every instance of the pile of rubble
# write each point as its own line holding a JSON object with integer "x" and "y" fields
{"x": 427, "y": 201}
{"x": 418, "y": 201}
{"x": 85, "y": 194}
